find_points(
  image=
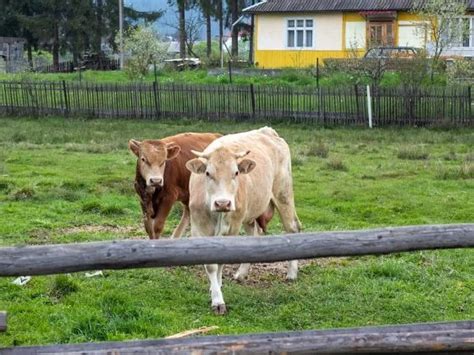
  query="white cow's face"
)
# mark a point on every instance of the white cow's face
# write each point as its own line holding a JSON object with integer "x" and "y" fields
{"x": 152, "y": 156}
{"x": 222, "y": 169}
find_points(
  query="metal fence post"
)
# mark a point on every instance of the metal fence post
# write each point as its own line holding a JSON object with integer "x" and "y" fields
{"x": 369, "y": 105}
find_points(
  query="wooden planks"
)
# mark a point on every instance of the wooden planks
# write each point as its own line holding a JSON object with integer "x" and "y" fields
{"x": 432, "y": 338}
{"x": 124, "y": 254}
{"x": 342, "y": 105}
{"x": 3, "y": 321}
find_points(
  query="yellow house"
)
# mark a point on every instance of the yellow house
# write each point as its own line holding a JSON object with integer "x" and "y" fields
{"x": 295, "y": 33}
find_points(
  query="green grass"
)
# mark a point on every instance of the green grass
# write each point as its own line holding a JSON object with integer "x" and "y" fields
{"x": 70, "y": 180}
{"x": 285, "y": 77}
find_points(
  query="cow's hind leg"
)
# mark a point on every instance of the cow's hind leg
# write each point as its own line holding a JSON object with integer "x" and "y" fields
{"x": 291, "y": 223}
{"x": 250, "y": 229}
{"x": 183, "y": 223}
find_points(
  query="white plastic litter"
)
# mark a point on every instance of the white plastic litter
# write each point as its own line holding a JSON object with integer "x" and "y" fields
{"x": 94, "y": 274}
{"x": 22, "y": 280}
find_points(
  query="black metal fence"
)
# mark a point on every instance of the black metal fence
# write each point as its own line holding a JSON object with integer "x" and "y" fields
{"x": 416, "y": 106}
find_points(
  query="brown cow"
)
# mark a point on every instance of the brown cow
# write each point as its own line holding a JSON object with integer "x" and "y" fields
{"x": 162, "y": 178}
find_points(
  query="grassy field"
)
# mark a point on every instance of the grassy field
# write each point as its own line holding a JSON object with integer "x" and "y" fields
{"x": 287, "y": 77}
{"x": 64, "y": 181}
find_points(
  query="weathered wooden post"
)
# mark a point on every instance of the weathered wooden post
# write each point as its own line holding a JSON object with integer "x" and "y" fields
{"x": 252, "y": 96}
{"x": 155, "y": 94}
{"x": 66, "y": 98}
{"x": 3, "y": 321}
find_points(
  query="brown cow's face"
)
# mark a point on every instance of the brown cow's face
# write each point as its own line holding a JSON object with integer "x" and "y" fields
{"x": 152, "y": 156}
{"x": 222, "y": 169}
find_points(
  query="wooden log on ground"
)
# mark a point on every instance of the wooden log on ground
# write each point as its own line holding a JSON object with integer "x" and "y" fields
{"x": 434, "y": 338}
{"x": 125, "y": 254}
{"x": 3, "y": 321}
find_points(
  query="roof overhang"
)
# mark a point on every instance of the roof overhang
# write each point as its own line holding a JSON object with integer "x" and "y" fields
{"x": 379, "y": 15}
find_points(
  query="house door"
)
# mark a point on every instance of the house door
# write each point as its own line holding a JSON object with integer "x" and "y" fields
{"x": 380, "y": 34}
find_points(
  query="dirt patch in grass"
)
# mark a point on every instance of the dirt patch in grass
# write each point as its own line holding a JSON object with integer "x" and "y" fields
{"x": 137, "y": 229}
{"x": 264, "y": 274}
{"x": 46, "y": 236}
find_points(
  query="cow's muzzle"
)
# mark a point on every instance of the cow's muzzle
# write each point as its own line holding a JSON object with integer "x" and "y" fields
{"x": 155, "y": 182}
{"x": 222, "y": 205}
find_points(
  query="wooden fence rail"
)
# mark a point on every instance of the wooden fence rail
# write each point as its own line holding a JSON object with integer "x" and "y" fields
{"x": 63, "y": 258}
{"x": 450, "y": 106}
{"x": 434, "y": 338}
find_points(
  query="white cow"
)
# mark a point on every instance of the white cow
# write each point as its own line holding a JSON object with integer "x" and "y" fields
{"x": 236, "y": 179}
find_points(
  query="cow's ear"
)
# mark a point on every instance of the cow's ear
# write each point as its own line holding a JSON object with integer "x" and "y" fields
{"x": 134, "y": 146}
{"x": 196, "y": 166}
{"x": 172, "y": 151}
{"x": 246, "y": 166}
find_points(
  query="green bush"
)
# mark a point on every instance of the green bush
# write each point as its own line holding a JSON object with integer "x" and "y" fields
{"x": 318, "y": 149}
{"x": 336, "y": 164}
{"x": 461, "y": 71}
{"x": 412, "y": 153}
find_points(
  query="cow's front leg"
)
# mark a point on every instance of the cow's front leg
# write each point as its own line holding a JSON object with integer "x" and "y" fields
{"x": 158, "y": 223}
{"x": 183, "y": 223}
{"x": 217, "y": 299}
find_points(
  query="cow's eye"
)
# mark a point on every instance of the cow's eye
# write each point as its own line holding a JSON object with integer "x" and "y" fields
{"x": 207, "y": 174}
{"x": 237, "y": 173}
{"x": 143, "y": 159}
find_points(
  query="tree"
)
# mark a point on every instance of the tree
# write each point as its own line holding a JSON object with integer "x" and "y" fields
{"x": 192, "y": 29}
{"x": 107, "y": 20}
{"x": 208, "y": 11}
{"x": 143, "y": 48}
{"x": 62, "y": 26}
{"x": 220, "y": 17}
{"x": 12, "y": 26}
{"x": 234, "y": 15}
{"x": 442, "y": 23}
{"x": 182, "y": 5}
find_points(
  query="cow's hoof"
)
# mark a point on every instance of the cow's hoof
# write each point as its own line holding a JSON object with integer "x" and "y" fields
{"x": 291, "y": 278}
{"x": 238, "y": 277}
{"x": 219, "y": 309}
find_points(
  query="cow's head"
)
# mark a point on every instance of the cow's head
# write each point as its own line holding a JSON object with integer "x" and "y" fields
{"x": 152, "y": 156}
{"x": 222, "y": 168}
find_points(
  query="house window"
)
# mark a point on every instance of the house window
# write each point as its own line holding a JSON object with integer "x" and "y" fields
{"x": 300, "y": 33}
{"x": 466, "y": 30}
{"x": 466, "y": 35}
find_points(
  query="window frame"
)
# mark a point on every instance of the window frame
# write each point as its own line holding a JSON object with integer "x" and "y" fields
{"x": 295, "y": 30}
{"x": 460, "y": 45}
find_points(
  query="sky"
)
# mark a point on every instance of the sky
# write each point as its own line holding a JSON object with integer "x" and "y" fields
{"x": 170, "y": 16}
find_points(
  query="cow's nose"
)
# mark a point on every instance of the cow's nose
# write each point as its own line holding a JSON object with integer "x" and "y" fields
{"x": 222, "y": 205}
{"x": 156, "y": 181}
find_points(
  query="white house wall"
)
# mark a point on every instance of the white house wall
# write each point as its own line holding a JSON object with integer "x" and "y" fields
{"x": 411, "y": 34}
{"x": 327, "y": 33}
{"x": 355, "y": 35}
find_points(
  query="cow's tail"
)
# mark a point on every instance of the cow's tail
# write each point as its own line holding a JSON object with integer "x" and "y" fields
{"x": 269, "y": 131}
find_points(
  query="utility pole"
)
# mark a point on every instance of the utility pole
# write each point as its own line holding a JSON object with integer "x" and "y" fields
{"x": 220, "y": 11}
{"x": 121, "y": 32}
